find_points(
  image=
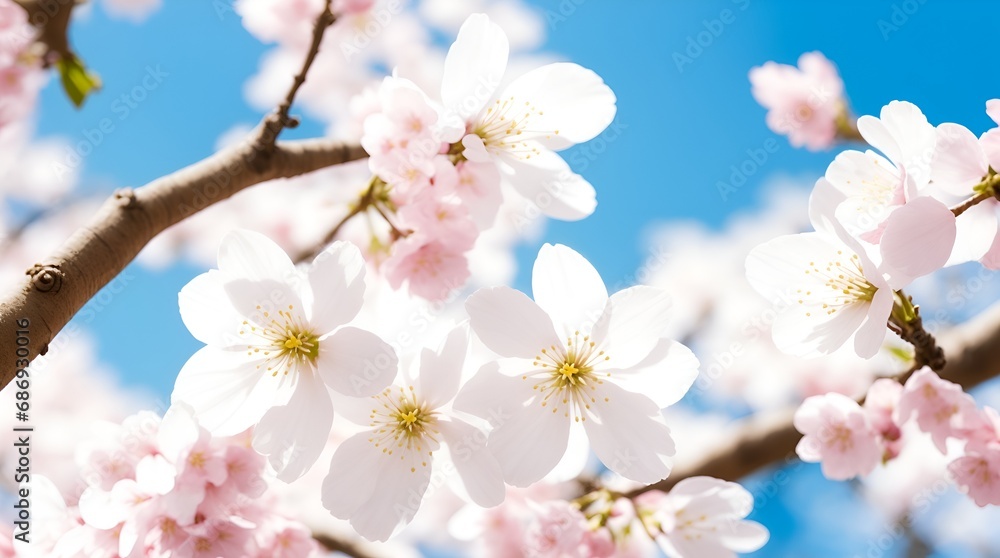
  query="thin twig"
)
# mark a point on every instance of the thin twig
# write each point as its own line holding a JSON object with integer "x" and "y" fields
{"x": 353, "y": 548}
{"x": 366, "y": 200}
{"x": 967, "y": 204}
{"x": 278, "y": 120}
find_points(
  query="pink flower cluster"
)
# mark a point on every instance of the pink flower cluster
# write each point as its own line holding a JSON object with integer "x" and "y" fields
{"x": 438, "y": 166}
{"x": 168, "y": 488}
{"x": 804, "y": 103}
{"x": 700, "y": 516}
{"x": 851, "y": 439}
{"x": 20, "y": 70}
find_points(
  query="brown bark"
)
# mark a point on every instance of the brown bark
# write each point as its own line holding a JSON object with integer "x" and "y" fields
{"x": 60, "y": 284}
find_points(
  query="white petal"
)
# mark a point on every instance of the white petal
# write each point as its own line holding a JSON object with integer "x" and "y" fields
{"x": 566, "y": 103}
{"x": 155, "y": 475}
{"x": 810, "y": 333}
{"x": 353, "y": 475}
{"x": 178, "y": 431}
{"x": 225, "y": 388}
{"x": 478, "y": 469}
{"x": 527, "y": 439}
{"x": 918, "y": 240}
{"x": 547, "y": 181}
{"x": 441, "y": 372}
{"x": 959, "y": 161}
{"x": 633, "y": 323}
{"x": 292, "y": 436}
{"x": 474, "y": 66}
{"x": 904, "y": 135}
{"x": 743, "y": 536}
{"x": 356, "y": 362}
{"x": 990, "y": 140}
{"x": 100, "y": 510}
{"x": 870, "y": 336}
{"x": 665, "y": 376}
{"x": 628, "y": 434}
{"x": 509, "y": 323}
{"x": 395, "y": 500}
{"x": 259, "y": 301}
{"x": 878, "y": 136}
{"x": 823, "y": 203}
{"x": 207, "y": 312}
{"x": 974, "y": 233}
{"x": 568, "y": 288}
{"x": 576, "y": 458}
{"x": 337, "y": 280}
{"x": 255, "y": 257}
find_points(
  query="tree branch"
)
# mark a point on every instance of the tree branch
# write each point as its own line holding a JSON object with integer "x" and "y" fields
{"x": 354, "y": 548}
{"x": 51, "y": 18}
{"x": 973, "y": 351}
{"x": 58, "y": 286}
{"x": 278, "y": 120}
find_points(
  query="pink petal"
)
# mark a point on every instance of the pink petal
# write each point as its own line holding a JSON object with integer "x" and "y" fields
{"x": 918, "y": 240}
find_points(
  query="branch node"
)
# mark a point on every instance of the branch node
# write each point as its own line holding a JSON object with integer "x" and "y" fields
{"x": 46, "y": 278}
{"x": 126, "y": 197}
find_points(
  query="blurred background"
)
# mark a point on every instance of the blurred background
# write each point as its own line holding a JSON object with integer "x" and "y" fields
{"x": 676, "y": 206}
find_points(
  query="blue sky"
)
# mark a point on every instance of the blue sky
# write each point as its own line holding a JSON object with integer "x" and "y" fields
{"x": 685, "y": 117}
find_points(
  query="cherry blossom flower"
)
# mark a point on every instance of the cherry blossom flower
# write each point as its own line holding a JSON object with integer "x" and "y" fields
{"x": 839, "y": 290}
{"x": 431, "y": 260}
{"x": 575, "y": 356}
{"x": 378, "y": 478}
{"x": 561, "y": 531}
{"x": 804, "y": 103}
{"x": 942, "y": 408}
{"x": 977, "y": 473}
{"x": 276, "y": 340}
{"x": 701, "y": 516}
{"x": 903, "y": 134}
{"x": 404, "y": 138}
{"x": 874, "y": 187}
{"x": 880, "y": 405}
{"x": 520, "y": 127}
{"x": 838, "y": 434}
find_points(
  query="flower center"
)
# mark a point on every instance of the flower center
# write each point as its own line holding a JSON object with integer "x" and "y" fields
{"x": 285, "y": 341}
{"x": 843, "y": 283}
{"x": 506, "y": 125}
{"x": 567, "y": 375}
{"x": 404, "y": 424}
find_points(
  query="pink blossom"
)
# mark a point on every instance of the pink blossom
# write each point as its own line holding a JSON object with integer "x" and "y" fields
{"x": 838, "y": 434}
{"x": 977, "y": 473}
{"x": 430, "y": 267}
{"x": 803, "y": 103}
{"x": 351, "y": 7}
{"x": 880, "y": 405}
{"x": 558, "y": 531}
{"x": 284, "y": 21}
{"x": 942, "y": 408}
